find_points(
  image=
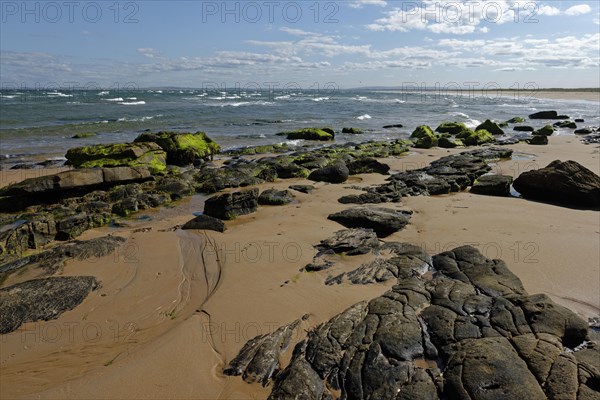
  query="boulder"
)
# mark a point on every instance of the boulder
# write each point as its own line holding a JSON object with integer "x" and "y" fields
{"x": 353, "y": 131}
{"x": 470, "y": 138}
{"x": 205, "y": 222}
{"x": 449, "y": 143}
{"x": 547, "y": 115}
{"x": 335, "y": 173}
{"x": 538, "y": 140}
{"x": 309, "y": 134}
{"x": 383, "y": 221}
{"x": 567, "y": 183}
{"x": 547, "y": 130}
{"x": 565, "y": 124}
{"x": 367, "y": 165}
{"x": 516, "y": 120}
{"x": 491, "y": 127}
{"x": 492, "y": 185}
{"x": 274, "y": 197}
{"x": 523, "y": 128}
{"x": 42, "y": 299}
{"x": 453, "y": 128}
{"x": 584, "y": 131}
{"x": 425, "y": 138}
{"x": 149, "y": 155}
{"x": 228, "y": 206}
{"x": 182, "y": 148}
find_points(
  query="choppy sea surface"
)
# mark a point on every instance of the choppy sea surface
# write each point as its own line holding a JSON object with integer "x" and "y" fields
{"x": 40, "y": 124}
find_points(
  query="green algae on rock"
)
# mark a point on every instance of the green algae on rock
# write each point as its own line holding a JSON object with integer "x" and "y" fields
{"x": 453, "y": 128}
{"x": 148, "y": 155}
{"x": 182, "y": 148}
{"x": 474, "y": 138}
{"x": 321, "y": 134}
{"x": 491, "y": 127}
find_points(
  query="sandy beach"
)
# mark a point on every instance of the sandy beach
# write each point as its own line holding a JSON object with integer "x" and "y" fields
{"x": 176, "y": 306}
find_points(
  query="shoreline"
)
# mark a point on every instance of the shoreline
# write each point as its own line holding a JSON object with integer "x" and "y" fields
{"x": 162, "y": 289}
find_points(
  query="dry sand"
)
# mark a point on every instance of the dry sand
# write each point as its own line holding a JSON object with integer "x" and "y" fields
{"x": 175, "y": 306}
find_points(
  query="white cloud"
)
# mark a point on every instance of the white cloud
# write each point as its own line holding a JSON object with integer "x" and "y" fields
{"x": 148, "y": 52}
{"x": 548, "y": 10}
{"x": 597, "y": 21}
{"x": 579, "y": 9}
{"x": 362, "y": 3}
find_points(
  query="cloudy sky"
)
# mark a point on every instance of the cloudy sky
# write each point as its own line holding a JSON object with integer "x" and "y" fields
{"x": 352, "y": 43}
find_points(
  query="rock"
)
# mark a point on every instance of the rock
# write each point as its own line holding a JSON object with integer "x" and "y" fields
{"x": 567, "y": 183}
{"x": 565, "y": 124}
{"x": 126, "y": 207}
{"x": 524, "y": 128}
{"x": 492, "y": 185}
{"x": 383, "y": 221}
{"x": 309, "y": 134}
{"x": 42, "y": 299}
{"x": 83, "y": 135}
{"x": 353, "y": 131}
{"x": 303, "y": 188}
{"x": 182, "y": 148}
{"x": 547, "y": 130}
{"x": 547, "y": 115}
{"x": 579, "y": 120}
{"x": 584, "y": 131}
{"x": 448, "y": 143}
{"x": 516, "y": 120}
{"x": 273, "y": 197}
{"x": 148, "y": 155}
{"x": 422, "y": 131}
{"x": 425, "y": 137}
{"x": 470, "y": 138}
{"x": 453, "y": 128}
{"x": 205, "y": 222}
{"x": 393, "y": 126}
{"x": 591, "y": 139}
{"x": 491, "y": 127}
{"x": 367, "y": 166}
{"x": 538, "y": 140}
{"x": 230, "y": 205}
{"x": 335, "y": 173}
{"x": 350, "y": 241}
{"x": 259, "y": 358}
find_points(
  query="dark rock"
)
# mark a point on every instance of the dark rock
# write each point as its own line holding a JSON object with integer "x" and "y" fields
{"x": 273, "y": 197}
{"x": 303, "y": 188}
{"x": 353, "y": 131}
{"x": 524, "y": 128}
{"x": 367, "y": 166}
{"x": 547, "y": 115}
{"x": 567, "y": 183}
{"x": 383, "y": 221}
{"x": 539, "y": 140}
{"x": 584, "y": 131}
{"x": 547, "y": 130}
{"x": 230, "y": 205}
{"x": 205, "y": 222}
{"x": 259, "y": 358}
{"x": 565, "y": 124}
{"x": 42, "y": 299}
{"x": 448, "y": 143}
{"x": 491, "y": 127}
{"x": 579, "y": 120}
{"x": 335, "y": 173}
{"x": 492, "y": 185}
{"x": 453, "y": 128}
{"x": 393, "y": 126}
{"x": 516, "y": 120}
{"x": 309, "y": 134}
{"x": 125, "y": 207}
{"x": 175, "y": 186}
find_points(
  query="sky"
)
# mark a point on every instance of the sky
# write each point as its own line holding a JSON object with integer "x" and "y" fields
{"x": 463, "y": 44}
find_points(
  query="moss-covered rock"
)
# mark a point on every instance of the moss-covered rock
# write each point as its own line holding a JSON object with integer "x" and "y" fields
{"x": 453, "y": 128}
{"x": 148, "y": 155}
{"x": 516, "y": 120}
{"x": 353, "y": 131}
{"x": 422, "y": 131}
{"x": 491, "y": 127}
{"x": 309, "y": 134}
{"x": 182, "y": 148}
{"x": 83, "y": 135}
{"x": 270, "y": 148}
{"x": 475, "y": 138}
{"x": 539, "y": 140}
{"x": 547, "y": 130}
{"x": 449, "y": 143}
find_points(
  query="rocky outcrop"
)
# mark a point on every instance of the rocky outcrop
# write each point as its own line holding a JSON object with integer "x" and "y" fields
{"x": 492, "y": 185}
{"x": 350, "y": 242}
{"x": 182, "y": 148}
{"x": 567, "y": 183}
{"x": 367, "y": 165}
{"x": 274, "y": 197}
{"x": 228, "y": 206}
{"x": 148, "y": 155}
{"x": 383, "y": 221}
{"x": 205, "y": 222}
{"x": 42, "y": 299}
{"x": 547, "y": 115}
{"x": 471, "y": 332}
{"x": 491, "y": 127}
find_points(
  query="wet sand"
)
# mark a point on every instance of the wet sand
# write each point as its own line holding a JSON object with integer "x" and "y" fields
{"x": 175, "y": 306}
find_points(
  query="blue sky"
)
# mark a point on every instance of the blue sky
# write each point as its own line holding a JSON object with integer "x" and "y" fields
{"x": 351, "y": 43}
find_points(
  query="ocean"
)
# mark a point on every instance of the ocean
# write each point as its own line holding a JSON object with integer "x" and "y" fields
{"x": 40, "y": 124}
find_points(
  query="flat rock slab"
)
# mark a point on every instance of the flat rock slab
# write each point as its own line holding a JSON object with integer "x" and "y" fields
{"x": 568, "y": 183}
{"x": 274, "y": 197}
{"x": 205, "y": 222}
{"x": 42, "y": 299}
{"x": 303, "y": 188}
{"x": 383, "y": 221}
{"x": 350, "y": 241}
